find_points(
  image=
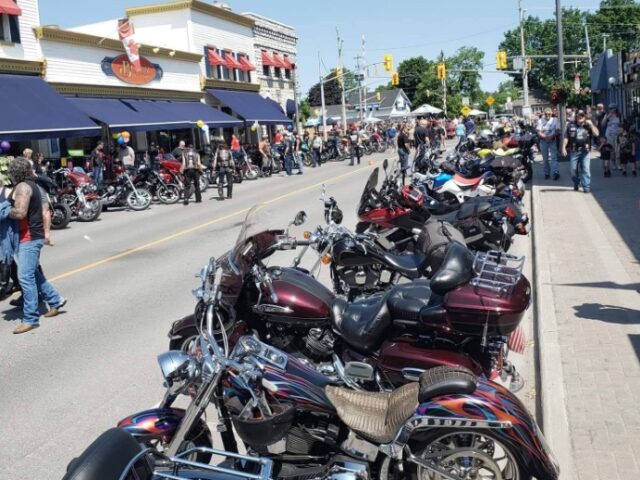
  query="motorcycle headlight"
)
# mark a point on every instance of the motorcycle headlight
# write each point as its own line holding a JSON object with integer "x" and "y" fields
{"x": 178, "y": 369}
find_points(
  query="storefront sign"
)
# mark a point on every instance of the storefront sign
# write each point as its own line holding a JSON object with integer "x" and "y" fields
{"x": 121, "y": 67}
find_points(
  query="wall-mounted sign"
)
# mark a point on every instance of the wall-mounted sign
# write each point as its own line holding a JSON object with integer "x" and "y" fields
{"x": 121, "y": 67}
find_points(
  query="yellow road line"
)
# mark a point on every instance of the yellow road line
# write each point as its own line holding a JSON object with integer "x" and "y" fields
{"x": 181, "y": 233}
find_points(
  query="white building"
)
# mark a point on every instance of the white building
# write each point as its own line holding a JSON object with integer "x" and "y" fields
{"x": 19, "y": 49}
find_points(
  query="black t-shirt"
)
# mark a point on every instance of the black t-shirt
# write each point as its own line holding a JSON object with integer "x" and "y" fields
{"x": 420, "y": 135}
{"x": 403, "y": 142}
{"x": 579, "y": 136}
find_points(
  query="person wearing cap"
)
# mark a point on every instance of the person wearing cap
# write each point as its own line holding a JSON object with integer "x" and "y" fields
{"x": 612, "y": 124}
{"x": 577, "y": 143}
{"x": 548, "y": 128}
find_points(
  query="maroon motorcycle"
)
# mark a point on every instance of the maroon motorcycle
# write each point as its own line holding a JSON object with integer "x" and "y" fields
{"x": 462, "y": 316}
{"x": 80, "y": 193}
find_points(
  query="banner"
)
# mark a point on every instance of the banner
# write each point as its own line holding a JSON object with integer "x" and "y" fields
{"x": 126, "y": 33}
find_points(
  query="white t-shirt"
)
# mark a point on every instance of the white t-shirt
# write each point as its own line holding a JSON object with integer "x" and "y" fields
{"x": 127, "y": 156}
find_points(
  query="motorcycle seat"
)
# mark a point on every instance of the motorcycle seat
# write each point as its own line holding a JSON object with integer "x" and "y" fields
{"x": 466, "y": 182}
{"x": 378, "y": 416}
{"x": 411, "y": 266}
{"x": 406, "y": 301}
{"x": 456, "y": 269}
{"x": 361, "y": 323}
{"x": 473, "y": 208}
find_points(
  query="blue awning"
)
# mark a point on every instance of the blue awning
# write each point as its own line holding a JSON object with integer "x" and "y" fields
{"x": 291, "y": 108}
{"x": 31, "y": 109}
{"x": 144, "y": 115}
{"x": 251, "y": 106}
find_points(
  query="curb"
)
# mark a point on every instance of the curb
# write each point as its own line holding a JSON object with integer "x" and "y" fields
{"x": 551, "y": 387}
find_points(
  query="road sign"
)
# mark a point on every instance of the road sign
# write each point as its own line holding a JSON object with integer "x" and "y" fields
{"x": 465, "y": 110}
{"x": 490, "y": 100}
{"x": 465, "y": 100}
{"x": 492, "y": 113}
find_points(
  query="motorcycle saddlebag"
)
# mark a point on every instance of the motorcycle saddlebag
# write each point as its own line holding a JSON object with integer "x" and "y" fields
{"x": 433, "y": 240}
{"x": 508, "y": 162}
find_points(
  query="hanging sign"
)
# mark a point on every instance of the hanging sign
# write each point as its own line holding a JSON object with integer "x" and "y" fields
{"x": 122, "y": 68}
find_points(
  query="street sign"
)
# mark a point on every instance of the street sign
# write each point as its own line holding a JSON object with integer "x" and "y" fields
{"x": 492, "y": 113}
{"x": 465, "y": 110}
{"x": 518, "y": 63}
{"x": 490, "y": 100}
{"x": 465, "y": 100}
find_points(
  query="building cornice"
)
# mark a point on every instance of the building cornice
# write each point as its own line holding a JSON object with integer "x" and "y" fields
{"x": 84, "y": 39}
{"x": 195, "y": 5}
{"x": 226, "y": 85}
{"x": 25, "y": 67}
{"x": 73, "y": 89}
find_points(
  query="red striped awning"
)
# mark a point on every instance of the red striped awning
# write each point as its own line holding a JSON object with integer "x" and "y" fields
{"x": 247, "y": 66}
{"x": 214, "y": 59}
{"x": 266, "y": 59}
{"x": 9, "y": 7}
{"x": 277, "y": 61}
{"x": 230, "y": 61}
{"x": 287, "y": 64}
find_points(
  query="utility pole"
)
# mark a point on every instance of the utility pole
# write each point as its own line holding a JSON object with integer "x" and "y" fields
{"x": 560, "y": 33}
{"x": 586, "y": 37}
{"x": 341, "y": 82}
{"x": 359, "y": 75}
{"x": 444, "y": 87}
{"x": 364, "y": 73}
{"x": 323, "y": 110}
{"x": 525, "y": 73}
{"x": 604, "y": 41}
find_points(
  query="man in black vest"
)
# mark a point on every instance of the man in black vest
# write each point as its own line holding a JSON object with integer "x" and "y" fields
{"x": 191, "y": 168}
{"x": 34, "y": 220}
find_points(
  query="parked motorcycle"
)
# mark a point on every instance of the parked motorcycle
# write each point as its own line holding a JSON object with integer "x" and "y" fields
{"x": 123, "y": 192}
{"x": 444, "y": 423}
{"x": 171, "y": 173}
{"x": 151, "y": 180}
{"x": 80, "y": 193}
{"x": 463, "y": 316}
{"x": 60, "y": 212}
{"x": 245, "y": 169}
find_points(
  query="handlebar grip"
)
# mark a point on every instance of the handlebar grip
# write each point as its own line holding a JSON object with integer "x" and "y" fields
{"x": 303, "y": 243}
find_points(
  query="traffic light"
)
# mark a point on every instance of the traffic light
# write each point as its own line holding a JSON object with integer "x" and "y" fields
{"x": 501, "y": 60}
{"x": 528, "y": 64}
{"x": 395, "y": 79}
{"x": 378, "y": 96}
{"x": 442, "y": 71}
{"x": 388, "y": 62}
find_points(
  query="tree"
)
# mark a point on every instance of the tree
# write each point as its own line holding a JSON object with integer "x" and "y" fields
{"x": 410, "y": 72}
{"x": 620, "y": 21}
{"x": 505, "y": 90}
{"x": 464, "y": 73}
{"x": 332, "y": 89}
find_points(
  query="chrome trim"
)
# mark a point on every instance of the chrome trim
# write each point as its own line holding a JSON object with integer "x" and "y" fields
{"x": 270, "y": 308}
{"x": 412, "y": 374}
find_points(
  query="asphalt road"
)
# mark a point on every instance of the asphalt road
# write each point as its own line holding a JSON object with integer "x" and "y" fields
{"x": 127, "y": 277}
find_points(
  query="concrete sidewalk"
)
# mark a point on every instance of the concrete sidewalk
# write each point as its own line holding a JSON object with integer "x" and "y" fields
{"x": 587, "y": 253}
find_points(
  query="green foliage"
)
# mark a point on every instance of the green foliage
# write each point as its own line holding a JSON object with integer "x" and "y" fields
{"x": 332, "y": 89}
{"x": 304, "y": 110}
{"x": 4, "y": 167}
{"x": 411, "y": 71}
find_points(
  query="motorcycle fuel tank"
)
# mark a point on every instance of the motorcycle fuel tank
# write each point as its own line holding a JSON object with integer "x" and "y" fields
{"x": 300, "y": 299}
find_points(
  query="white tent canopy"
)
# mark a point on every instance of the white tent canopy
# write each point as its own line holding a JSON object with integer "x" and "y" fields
{"x": 425, "y": 110}
{"x": 373, "y": 120}
{"x": 477, "y": 113}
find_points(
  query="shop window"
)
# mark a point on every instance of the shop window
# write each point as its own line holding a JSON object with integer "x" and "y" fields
{"x": 9, "y": 28}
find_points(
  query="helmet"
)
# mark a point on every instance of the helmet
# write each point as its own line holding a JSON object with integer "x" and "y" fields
{"x": 259, "y": 430}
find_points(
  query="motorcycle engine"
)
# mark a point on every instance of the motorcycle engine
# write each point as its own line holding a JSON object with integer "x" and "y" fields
{"x": 319, "y": 343}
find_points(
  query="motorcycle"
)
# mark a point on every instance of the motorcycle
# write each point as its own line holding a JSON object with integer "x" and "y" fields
{"x": 79, "y": 192}
{"x": 444, "y": 422}
{"x": 167, "y": 193}
{"x": 60, "y": 212}
{"x": 123, "y": 192}
{"x": 463, "y": 316}
{"x": 245, "y": 169}
{"x": 171, "y": 173}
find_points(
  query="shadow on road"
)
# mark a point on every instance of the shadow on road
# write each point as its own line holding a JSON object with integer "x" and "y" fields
{"x": 635, "y": 343}
{"x": 611, "y": 285}
{"x": 607, "y": 313}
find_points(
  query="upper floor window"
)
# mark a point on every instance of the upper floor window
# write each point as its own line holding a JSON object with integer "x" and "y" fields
{"x": 288, "y": 67}
{"x": 267, "y": 63}
{"x": 9, "y": 28}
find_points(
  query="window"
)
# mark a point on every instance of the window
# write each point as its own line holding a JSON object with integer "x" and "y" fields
{"x": 287, "y": 72}
{"x": 266, "y": 70}
{"x": 276, "y": 72}
{"x": 9, "y": 28}
{"x": 240, "y": 74}
{"x": 213, "y": 71}
{"x": 225, "y": 72}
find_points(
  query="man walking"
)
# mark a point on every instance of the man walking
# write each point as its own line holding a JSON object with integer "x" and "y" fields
{"x": 403, "y": 151}
{"x": 33, "y": 224}
{"x": 548, "y": 128}
{"x": 97, "y": 162}
{"x": 576, "y": 142}
{"x": 191, "y": 168}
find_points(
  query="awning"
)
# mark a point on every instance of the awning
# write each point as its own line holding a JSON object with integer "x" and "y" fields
{"x": 287, "y": 64}
{"x": 9, "y": 7}
{"x": 231, "y": 62}
{"x": 250, "y": 106}
{"x": 247, "y": 66}
{"x": 32, "y": 109}
{"x": 266, "y": 60}
{"x": 145, "y": 115}
{"x": 214, "y": 59}
{"x": 290, "y": 108}
{"x": 277, "y": 61}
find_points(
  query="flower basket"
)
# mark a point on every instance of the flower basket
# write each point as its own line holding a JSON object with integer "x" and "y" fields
{"x": 559, "y": 93}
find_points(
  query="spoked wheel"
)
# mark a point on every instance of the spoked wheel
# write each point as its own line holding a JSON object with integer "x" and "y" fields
{"x": 168, "y": 194}
{"x": 141, "y": 201}
{"x": 307, "y": 159}
{"x": 60, "y": 215}
{"x": 204, "y": 182}
{"x": 91, "y": 211}
{"x": 470, "y": 455}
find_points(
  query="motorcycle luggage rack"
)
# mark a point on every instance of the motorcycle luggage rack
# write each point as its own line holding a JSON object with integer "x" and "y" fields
{"x": 497, "y": 272}
{"x": 170, "y": 467}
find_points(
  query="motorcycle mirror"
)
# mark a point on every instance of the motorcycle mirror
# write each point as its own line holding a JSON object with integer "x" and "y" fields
{"x": 385, "y": 164}
{"x": 300, "y": 218}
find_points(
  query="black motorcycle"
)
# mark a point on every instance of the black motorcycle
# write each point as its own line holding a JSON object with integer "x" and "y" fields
{"x": 148, "y": 179}
{"x": 124, "y": 193}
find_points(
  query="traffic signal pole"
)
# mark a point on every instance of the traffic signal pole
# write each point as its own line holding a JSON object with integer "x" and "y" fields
{"x": 341, "y": 80}
{"x": 323, "y": 111}
{"x": 562, "y": 114}
{"x": 525, "y": 73}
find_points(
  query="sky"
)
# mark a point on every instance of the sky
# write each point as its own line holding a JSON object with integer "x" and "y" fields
{"x": 404, "y": 28}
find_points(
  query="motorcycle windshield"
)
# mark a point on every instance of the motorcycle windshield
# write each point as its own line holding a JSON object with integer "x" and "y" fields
{"x": 370, "y": 186}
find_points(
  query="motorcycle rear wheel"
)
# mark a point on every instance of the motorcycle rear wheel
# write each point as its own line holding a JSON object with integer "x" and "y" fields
{"x": 60, "y": 215}
{"x": 204, "y": 183}
{"x": 139, "y": 202}
{"x": 168, "y": 194}
{"x": 308, "y": 161}
{"x": 252, "y": 174}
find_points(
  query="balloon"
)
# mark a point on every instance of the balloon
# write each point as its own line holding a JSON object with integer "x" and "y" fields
{"x": 289, "y": 127}
{"x": 254, "y": 127}
{"x": 126, "y": 136}
{"x": 115, "y": 135}
{"x": 5, "y": 145}
{"x": 121, "y": 141}
{"x": 199, "y": 123}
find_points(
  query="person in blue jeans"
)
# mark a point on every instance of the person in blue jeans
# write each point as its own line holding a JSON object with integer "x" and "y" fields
{"x": 577, "y": 143}
{"x": 97, "y": 162}
{"x": 34, "y": 220}
{"x": 548, "y": 128}
{"x": 289, "y": 154}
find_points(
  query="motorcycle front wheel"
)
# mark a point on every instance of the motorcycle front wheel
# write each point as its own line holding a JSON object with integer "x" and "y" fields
{"x": 139, "y": 202}
{"x": 91, "y": 212}
{"x": 204, "y": 183}
{"x": 308, "y": 161}
{"x": 168, "y": 194}
{"x": 252, "y": 174}
{"x": 60, "y": 215}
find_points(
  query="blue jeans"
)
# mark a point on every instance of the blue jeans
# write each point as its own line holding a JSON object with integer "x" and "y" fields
{"x": 549, "y": 150}
{"x": 97, "y": 174}
{"x": 288, "y": 164}
{"x": 581, "y": 169}
{"x": 33, "y": 282}
{"x": 299, "y": 160}
{"x": 404, "y": 159}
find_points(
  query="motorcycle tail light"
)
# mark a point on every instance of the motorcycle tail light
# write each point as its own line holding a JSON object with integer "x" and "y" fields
{"x": 510, "y": 213}
{"x": 326, "y": 259}
{"x": 306, "y": 234}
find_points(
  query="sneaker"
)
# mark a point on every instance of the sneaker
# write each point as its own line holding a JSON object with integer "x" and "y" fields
{"x": 546, "y": 177}
{"x": 556, "y": 176}
{"x": 54, "y": 311}
{"x": 16, "y": 302}
{"x": 575, "y": 188}
{"x": 587, "y": 190}
{"x": 25, "y": 327}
